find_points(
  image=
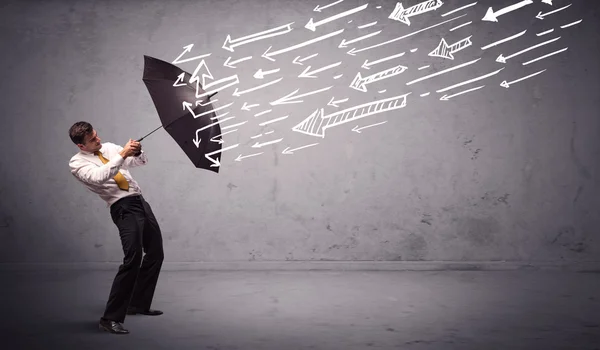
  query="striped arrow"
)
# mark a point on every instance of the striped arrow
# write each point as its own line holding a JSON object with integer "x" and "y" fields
{"x": 401, "y": 15}
{"x": 317, "y": 122}
{"x": 360, "y": 83}
{"x": 445, "y": 51}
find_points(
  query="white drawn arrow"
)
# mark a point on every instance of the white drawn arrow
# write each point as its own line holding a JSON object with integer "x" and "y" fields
{"x": 196, "y": 79}
{"x": 545, "y": 56}
{"x": 504, "y": 40}
{"x": 291, "y": 98}
{"x": 307, "y": 74}
{"x": 273, "y": 120}
{"x": 231, "y": 64}
{"x": 189, "y": 107}
{"x": 445, "y": 51}
{"x": 318, "y": 8}
{"x": 313, "y": 25}
{"x": 400, "y": 14}
{"x": 239, "y": 93}
{"x": 334, "y": 103}
{"x": 448, "y": 97}
{"x": 180, "y": 78}
{"x": 186, "y": 50}
{"x": 508, "y": 84}
{"x": 367, "y": 64}
{"x": 297, "y": 61}
{"x": 268, "y": 55}
{"x": 541, "y": 16}
{"x": 233, "y": 126}
{"x": 291, "y": 151}
{"x": 220, "y": 141}
{"x": 359, "y": 83}
{"x": 345, "y": 43}
{"x": 492, "y": 16}
{"x": 318, "y": 122}
{"x": 443, "y": 71}
{"x": 353, "y": 52}
{"x": 240, "y": 157}
{"x": 197, "y": 139}
{"x": 230, "y": 44}
{"x": 259, "y": 145}
{"x": 357, "y": 129}
{"x": 502, "y": 59}
{"x": 260, "y": 74}
{"x": 216, "y": 162}
{"x": 246, "y": 107}
{"x": 470, "y": 80}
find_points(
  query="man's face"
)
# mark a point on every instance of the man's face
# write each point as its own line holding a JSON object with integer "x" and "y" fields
{"x": 91, "y": 142}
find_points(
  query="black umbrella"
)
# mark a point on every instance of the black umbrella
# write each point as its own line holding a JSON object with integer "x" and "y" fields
{"x": 192, "y": 134}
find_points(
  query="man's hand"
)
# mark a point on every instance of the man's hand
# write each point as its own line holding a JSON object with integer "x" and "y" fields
{"x": 130, "y": 149}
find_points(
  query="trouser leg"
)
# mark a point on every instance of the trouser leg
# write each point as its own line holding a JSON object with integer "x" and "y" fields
{"x": 130, "y": 225}
{"x": 152, "y": 262}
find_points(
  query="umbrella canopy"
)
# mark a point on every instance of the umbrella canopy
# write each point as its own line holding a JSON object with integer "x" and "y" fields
{"x": 188, "y": 123}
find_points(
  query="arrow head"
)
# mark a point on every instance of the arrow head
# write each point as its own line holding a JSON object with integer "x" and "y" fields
{"x": 226, "y": 64}
{"x": 265, "y": 55}
{"x": 352, "y": 52}
{"x": 442, "y": 50}
{"x": 342, "y": 44}
{"x": 186, "y": 104}
{"x": 501, "y": 59}
{"x": 216, "y": 163}
{"x": 239, "y": 158}
{"x": 310, "y": 25}
{"x": 444, "y": 98}
{"x": 259, "y": 74}
{"x": 304, "y": 74}
{"x": 295, "y": 61}
{"x": 505, "y": 84}
{"x": 188, "y": 48}
{"x": 227, "y": 44}
{"x": 285, "y": 151}
{"x": 236, "y": 93}
{"x": 256, "y": 145}
{"x": 490, "y": 16}
{"x": 356, "y": 129}
{"x": 317, "y": 9}
{"x": 539, "y": 16}
{"x": 197, "y": 142}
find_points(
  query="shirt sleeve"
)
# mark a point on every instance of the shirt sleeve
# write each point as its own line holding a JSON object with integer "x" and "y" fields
{"x": 91, "y": 173}
{"x": 132, "y": 162}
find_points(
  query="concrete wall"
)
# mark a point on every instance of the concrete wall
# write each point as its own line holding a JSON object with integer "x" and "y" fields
{"x": 491, "y": 174}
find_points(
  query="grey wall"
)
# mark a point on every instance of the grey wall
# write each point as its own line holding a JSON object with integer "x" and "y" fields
{"x": 492, "y": 174}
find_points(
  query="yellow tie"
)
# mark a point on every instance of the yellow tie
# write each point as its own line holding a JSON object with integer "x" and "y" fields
{"x": 119, "y": 178}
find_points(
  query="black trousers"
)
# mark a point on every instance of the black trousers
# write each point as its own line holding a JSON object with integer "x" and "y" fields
{"x": 136, "y": 279}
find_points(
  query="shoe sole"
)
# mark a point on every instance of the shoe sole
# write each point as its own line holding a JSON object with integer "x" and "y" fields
{"x": 102, "y": 328}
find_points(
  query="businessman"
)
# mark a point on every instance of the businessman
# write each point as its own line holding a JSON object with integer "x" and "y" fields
{"x": 103, "y": 168}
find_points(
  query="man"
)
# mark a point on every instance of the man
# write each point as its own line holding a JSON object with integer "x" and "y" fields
{"x": 104, "y": 169}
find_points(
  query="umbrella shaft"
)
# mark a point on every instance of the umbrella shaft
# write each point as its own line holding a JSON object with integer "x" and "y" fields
{"x": 140, "y": 140}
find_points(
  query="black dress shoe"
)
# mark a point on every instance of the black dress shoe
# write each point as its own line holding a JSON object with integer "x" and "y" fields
{"x": 149, "y": 312}
{"x": 112, "y": 327}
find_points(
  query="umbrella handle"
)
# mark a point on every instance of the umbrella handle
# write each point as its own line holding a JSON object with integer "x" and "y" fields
{"x": 140, "y": 140}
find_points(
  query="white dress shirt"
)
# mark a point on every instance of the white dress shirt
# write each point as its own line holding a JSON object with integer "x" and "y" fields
{"x": 98, "y": 177}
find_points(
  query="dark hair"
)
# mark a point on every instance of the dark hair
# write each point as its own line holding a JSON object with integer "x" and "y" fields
{"x": 78, "y": 131}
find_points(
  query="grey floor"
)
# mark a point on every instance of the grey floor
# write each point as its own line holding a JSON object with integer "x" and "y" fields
{"x": 280, "y": 310}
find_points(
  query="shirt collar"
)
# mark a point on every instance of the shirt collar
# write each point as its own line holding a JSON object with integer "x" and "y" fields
{"x": 91, "y": 153}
